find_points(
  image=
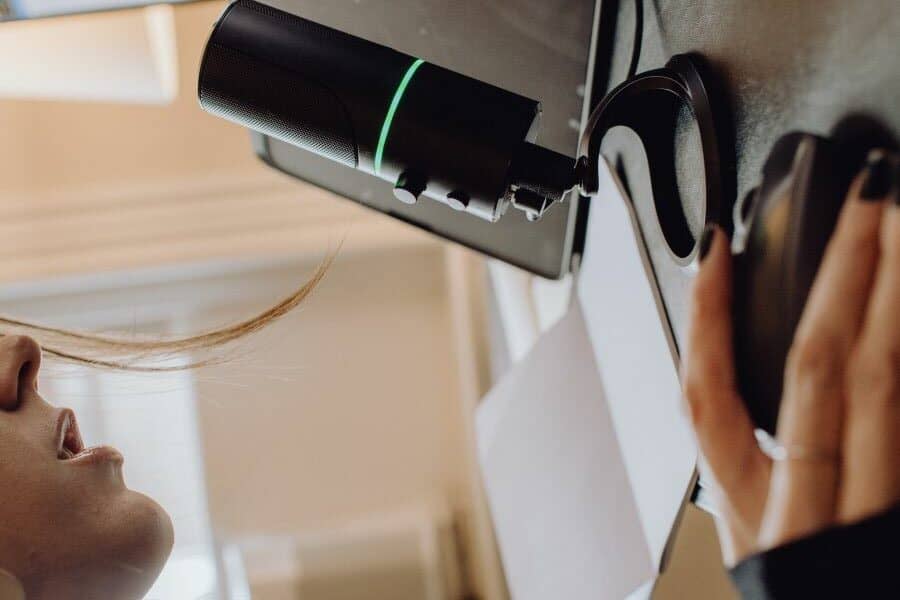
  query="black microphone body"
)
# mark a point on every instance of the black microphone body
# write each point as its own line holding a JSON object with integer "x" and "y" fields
{"x": 427, "y": 129}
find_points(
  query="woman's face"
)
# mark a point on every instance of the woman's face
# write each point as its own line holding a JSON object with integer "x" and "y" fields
{"x": 69, "y": 528}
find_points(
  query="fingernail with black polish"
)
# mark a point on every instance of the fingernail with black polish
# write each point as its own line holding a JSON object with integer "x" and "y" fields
{"x": 879, "y": 176}
{"x": 706, "y": 240}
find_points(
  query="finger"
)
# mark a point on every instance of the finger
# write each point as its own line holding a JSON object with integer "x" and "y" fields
{"x": 870, "y": 478}
{"x": 723, "y": 428}
{"x": 736, "y": 539}
{"x": 803, "y": 493}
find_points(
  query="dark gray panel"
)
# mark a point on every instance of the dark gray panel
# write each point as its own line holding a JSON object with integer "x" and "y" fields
{"x": 785, "y": 64}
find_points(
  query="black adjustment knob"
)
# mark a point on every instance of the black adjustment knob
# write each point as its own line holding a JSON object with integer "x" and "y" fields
{"x": 409, "y": 187}
{"x": 457, "y": 199}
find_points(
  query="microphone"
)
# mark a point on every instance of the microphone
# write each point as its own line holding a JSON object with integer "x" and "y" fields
{"x": 430, "y": 131}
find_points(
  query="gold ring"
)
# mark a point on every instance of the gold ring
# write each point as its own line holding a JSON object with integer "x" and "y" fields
{"x": 800, "y": 452}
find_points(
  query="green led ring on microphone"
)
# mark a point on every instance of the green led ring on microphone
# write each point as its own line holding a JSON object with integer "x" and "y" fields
{"x": 392, "y": 110}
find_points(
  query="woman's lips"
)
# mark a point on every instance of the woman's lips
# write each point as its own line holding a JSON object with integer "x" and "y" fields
{"x": 70, "y": 446}
{"x": 97, "y": 455}
{"x": 68, "y": 438}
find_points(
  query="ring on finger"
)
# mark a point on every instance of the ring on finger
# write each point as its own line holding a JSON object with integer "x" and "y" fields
{"x": 777, "y": 451}
{"x": 799, "y": 452}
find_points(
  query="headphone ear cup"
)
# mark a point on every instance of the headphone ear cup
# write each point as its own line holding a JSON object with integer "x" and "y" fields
{"x": 821, "y": 188}
{"x": 786, "y": 222}
{"x": 744, "y": 213}
{"x": 766, "y": 221}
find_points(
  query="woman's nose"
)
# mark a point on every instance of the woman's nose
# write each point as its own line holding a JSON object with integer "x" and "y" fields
{"x": 20, "y": 361}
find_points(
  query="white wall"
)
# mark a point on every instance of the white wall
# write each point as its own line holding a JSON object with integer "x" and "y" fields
{"x": 348, "y": 406}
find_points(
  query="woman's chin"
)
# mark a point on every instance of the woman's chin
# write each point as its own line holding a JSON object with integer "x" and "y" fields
{"x": 120, "y": 558}
{"x": 144, "y": 549}
{"x": 150, "y": 535}
{"x": 144, "y": 541}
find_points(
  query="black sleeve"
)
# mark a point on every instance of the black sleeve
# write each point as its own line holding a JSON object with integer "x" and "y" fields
{"x": 852, "y": 561}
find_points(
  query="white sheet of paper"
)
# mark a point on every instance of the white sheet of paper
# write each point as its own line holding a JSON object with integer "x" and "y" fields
{"x": 564, "y": 514}
{"x": 628, "y": 338}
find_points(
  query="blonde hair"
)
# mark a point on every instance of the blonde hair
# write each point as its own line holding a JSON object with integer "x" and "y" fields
{"x": 143, "y": 355}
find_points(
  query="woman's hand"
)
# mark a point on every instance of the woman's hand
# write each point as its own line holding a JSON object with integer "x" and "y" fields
{"x": 839, "y": 423}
